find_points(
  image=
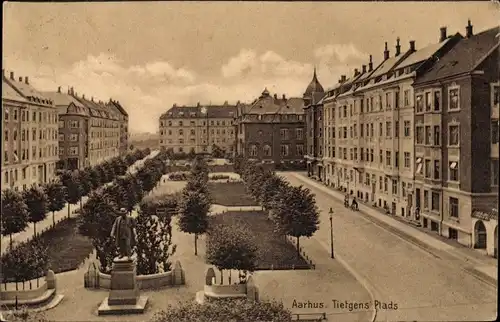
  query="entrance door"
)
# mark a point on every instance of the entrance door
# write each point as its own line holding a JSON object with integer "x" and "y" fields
{"x": 393, "y": 211}
{"x": 480, "y": 233}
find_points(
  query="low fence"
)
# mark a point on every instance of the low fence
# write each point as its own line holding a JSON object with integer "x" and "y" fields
{"x": 31, "y": 297}
{"x": 95, "y": 279}
{"x": 309, "y": 317}
{"x": 293, "y": 241}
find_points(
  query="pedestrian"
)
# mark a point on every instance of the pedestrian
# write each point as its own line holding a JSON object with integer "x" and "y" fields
{"x": 354, "y": 204}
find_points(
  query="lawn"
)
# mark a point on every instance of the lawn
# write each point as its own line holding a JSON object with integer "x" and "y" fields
{"x": 272, "y": 249}
{"x": 230, "y": 194}
{"x": 66, "y": 247}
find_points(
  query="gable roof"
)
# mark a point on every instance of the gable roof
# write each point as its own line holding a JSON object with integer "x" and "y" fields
{"x": 120, "y": 108}
{"x": 212, "y": 111}
{"x": 423, "y": 54}
{"x": 10, "y": 93}
{"x": 463, "y": 57}
{"x": 28, "y": 91}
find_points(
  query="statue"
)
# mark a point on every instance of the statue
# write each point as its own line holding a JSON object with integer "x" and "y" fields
{"x": 124, "y": 234}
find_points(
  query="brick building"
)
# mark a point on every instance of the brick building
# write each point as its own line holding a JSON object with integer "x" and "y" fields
{"x": 29, "y": 138}
{"x": 198, "y": 128}
{"x": 272, "y": 129}
{"x": 371, "y": 114}
{"x": 456, "y": 146}
{"x": 313, "y": 110}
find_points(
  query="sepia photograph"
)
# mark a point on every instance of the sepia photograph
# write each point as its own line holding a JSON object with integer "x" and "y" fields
{"x": 250, "y": 161}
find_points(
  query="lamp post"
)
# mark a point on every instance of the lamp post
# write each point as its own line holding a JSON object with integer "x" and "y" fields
{"x": 331, "y": 232}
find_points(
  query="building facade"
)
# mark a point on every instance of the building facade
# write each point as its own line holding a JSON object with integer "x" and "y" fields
{"x": 313, "y": 110}
{"x": 123, "y": 119}
{"x": 29, "y": 140}
{"x": 272, "y": 130}
{"x": 370, "y": 119}
{"x": 456, "y": 145}
{"x": 199, "y": 128}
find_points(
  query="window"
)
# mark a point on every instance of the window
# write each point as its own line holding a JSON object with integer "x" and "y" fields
{"x": 267, "y": 150}
{"x": 437, "y": 135}
{"x": 494, "y": 172}
{"x": 74, "y": 137}
{"x": 380, "y": 130}
{"x": 396, "y": 159}
{"x": 453, "y": 207}
{"x": 396, "y": 129}
{"x": 74, "y": 124}
{"x": 420, "y": 103}
{"x": 388, "y": 98}
{"x": 388, "y": 160}
{"x": 386, "y": 184}
{"x": 192, "y": 132}
{"x": 284, "y": 134}
{"x": 407, "y": 125}
{"x": 181, "y": 141}
{"x": 437, "y": 100}
{"x": 15, "y": 116}
{"x": 428, "y": 169}
{"x": 435, "y": 201}
{"x": 180, "y": 123}
{"x": 426, "y": 199}
{"x": 6, "y": 135}
{"x": 437, "y": 169}
{"x": 428, "y": 102}
{"x": 394, "y": 187}
{"x": 496, "y": 94}
{"x": 73, "y": 150}
{"x": 494, "y": 131}
{"x": 420, "y": 134}
{"x": 299, "y": 134}
{"x": 5, "y": 156}
{"x": 427, "y": 135}
{"x": 381, "y": 155}
{"x": 181, "y": 132}
{"x": 453, "y": 171}
{"x": 396, "y": 100}
{"x": 406, "y": 97}
{"x": 454, "y": 138}
{"x": 284, "y": 150}
{"x": 6, "y": 114}
{"x": 453, "y": 99}
{"x": 300, "y": 149}
{"x": 388, "y": 129}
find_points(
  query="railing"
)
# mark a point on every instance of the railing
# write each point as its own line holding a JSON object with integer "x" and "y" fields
{"x": 309, "y": 317}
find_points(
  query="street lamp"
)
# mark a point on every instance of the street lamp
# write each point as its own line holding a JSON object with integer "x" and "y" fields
{"x": 331, "y": 232}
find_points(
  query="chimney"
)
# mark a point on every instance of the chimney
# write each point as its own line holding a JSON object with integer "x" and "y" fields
{"x": 468, "y": 29}
{"x": 238, "y": 103}
{"x": 175, "y": 105}
{"x": 225, "y": 103}
{"x": 443, "y": 34}
{"x": 12, "y": 75}
{"x": 412, "y": 45}
{"x": 356, "y": 72}
{"x": 370, "y": 64}
{"x": 59, "y": 89}
{"x": 275, "y": 96}
{"x": 197, "y": 104}
{"x": 21, "y": 79}
{"x": 386, "y": 52}
{"x": 364, "y": 69}
{"x": 284, "y": 97}
{"x": 92, "y": 98}
{"x": 83, "y": 96}
{"x": 72, "y": 91}
{"x": 343, "y": 78}
{"x": 398, "y": 47}
{"x": 26, "y": 80}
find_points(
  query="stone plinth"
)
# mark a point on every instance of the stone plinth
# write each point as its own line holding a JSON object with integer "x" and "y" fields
{"x": 124, "y": 295}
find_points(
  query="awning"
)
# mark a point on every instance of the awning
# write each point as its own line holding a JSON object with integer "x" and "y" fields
{"x": 454, "y": 165}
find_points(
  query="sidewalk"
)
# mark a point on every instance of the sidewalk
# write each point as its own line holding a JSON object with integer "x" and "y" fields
{"x": 45, "y": 224}
{"x": 482, "y": 264}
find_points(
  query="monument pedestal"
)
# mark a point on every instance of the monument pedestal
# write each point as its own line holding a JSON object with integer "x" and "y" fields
{"x": 124, "y": 297}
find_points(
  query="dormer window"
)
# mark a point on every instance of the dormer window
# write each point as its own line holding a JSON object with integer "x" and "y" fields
{"x": 407, "y": 70}
{"x": 181, "y": 113}
{"x": 259, "y": 117}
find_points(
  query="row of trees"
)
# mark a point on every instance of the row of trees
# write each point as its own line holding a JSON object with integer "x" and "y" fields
{"x": 127, "y": 191}
{"x": 292, "y": 210}
{"x": 32, "y": 205}
{"x": 195, "y": 201}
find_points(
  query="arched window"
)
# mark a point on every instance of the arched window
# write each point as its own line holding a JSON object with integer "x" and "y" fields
{"x": 267, "y": 150}
{"x": 253, "y": 150}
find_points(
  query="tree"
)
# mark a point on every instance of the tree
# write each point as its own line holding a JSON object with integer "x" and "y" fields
{"x": 85, "y": 183}
{"x": 119, "y": 166}
{"x": 296, "y": 214}
{"x": 193, "y": 211}
{"x": 96, "y": 221}
{"x": 37, "y": 202}
{"x": 199, "y": 169}
{"x": 154, "y": 239}
{"x": 56, "y": 196}
{"x": 271, "y": 185}
{"x": 94, "y": 177}
{"x": 130, "y": 191}
{"x": 231, "y": 248}
{"x": 14, "y": 213}
{"x": 217, "y": 152}
{"x": 73, "y": 188}
{"x": 241, "y": 310}
{"x": 238, "y": 164}
{"x": 192, "y": 154}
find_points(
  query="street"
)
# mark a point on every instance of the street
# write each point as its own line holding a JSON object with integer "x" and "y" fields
{"x": 423, "y": 286}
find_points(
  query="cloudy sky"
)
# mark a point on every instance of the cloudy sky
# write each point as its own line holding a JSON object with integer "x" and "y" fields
{"x": 150, "y": 55}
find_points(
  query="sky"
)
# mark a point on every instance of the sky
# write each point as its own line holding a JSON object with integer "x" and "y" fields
{"x": 150, "y": 55}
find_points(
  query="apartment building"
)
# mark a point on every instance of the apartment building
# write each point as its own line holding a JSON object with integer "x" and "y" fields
{"x": 372, "y": 117}
{"x": 456, "y": 144}
{"x": 123, "y": 118}
{"x": 313, "y": 111}
{"x": 198, "y": 128}
{"x": 272, "y": 129}
{"x": 29, "y": 140}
